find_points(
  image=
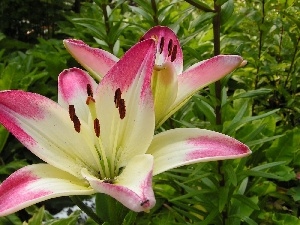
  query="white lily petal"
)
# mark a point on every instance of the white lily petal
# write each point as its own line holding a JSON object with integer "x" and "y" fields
{"x": 36, "y": 183}
{"x": 184, "y": 146}
{"x": 46, "y": 129}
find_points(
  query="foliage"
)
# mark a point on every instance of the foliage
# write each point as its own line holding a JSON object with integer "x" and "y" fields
{"x": 257, "y": 104}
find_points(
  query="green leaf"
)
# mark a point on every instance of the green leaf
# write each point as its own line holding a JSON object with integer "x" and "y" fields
{"x": 285, "y": 148}
{"x": 285, "y": 219}
{"x": 252, "y": 93}
{"x": 227, "y": 10}
{"x": 230, "y": 174}
{"x": 129, "y": 218}
{"x": 261, "y": 174}
{"x": 262, "y": 140}
{"x": 109, "y": 209}
{"x": 237, "y": 124}
{"x": 267, "y": 165}
{"x": 11, "y": 219}
{"x": 295, "y": 193}
{"x": 12, "y": 166}
{"x": 37, "y": 217}
{"x": 247, "y": 201}
{"x": 223, "y": 197}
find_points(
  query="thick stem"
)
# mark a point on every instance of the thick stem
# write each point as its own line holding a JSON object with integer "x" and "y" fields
{"x": 259, "y": 47}
{"x": 260, "y": 41}
{"x": 217, "y": 50}
{"x": 86, "y": 209}
{"x": 218, "y": 89}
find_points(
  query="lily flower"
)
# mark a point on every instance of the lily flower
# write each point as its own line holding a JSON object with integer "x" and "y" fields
{"x": 171, "y": 86}
{"x": 100, "y": 138}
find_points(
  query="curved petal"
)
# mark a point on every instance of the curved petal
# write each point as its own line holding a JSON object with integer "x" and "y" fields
{"x": 133, "y": 188}
{"x": 46, "y": 129}
{"x": 96, "y": 61}
{"x": 36, "y": 183}
{"x": 72, "y": 90}
{"x": 125, "y": 105}
{"x": 200, "y": 75}
{"x": 164, "y": 88}
{"x": 168, "y": 47}
{"x": 183, "y": 146}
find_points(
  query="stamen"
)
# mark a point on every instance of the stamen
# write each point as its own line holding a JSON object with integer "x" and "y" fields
{"x": 97, "y": 127}
{"x": 71, "y": 111}
{"x": 122, "y": 109}
{"x": 174, "y": 52}
{"x": 120, "y": 103}
{"x": 161, "y": 45}
{"x": 117, "y": 97}
{"x": 89, "y": 90}
{"x": 74, "y": 118}
{"x": 170, "y": 47}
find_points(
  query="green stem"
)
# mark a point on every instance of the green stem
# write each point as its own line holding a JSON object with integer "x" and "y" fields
{"x": 217, "y": 50}
{"x": 218, "y": 90}
{"x": 86, "y": 209}
{"x": 259, "y": 48}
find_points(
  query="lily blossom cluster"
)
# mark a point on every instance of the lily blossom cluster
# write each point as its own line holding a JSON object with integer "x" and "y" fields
{"x": 100, "y": 137}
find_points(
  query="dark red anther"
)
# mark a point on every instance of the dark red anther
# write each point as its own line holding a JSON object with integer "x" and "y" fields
{"x": 74, "y": 118}
{"x": 174, "y": 52}
{"x": 122, "y": 109}
{"x": 89, "y": 90}
{"x": 120, "y": 103}
{"x": 71, "y": 111}
{"x": 77, "y": 124}
{"x": 170, "y": 47}
{"x": 97, "y": 127}
{"x": 117, "y": 97}
{"x": 161, "y": 45}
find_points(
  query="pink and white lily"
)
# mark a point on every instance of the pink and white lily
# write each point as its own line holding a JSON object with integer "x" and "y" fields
{"x": 100, "y": 138}
{"x": 171, "y": 86}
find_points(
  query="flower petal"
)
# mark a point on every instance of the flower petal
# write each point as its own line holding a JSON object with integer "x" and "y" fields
{"x": 168, "y": 47}
{"x": 183, "y": 146}
{"x": 125, "y": 104}
{"x": 36, "y": 183}
{"x": 96, "y": 61}
{"x": 133, "y": 188}
{"x": 200, "y": 75}
{"x": 164, "y": 88}
{"x": 72, "y": 90}
{"x": 46, "y": 129}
